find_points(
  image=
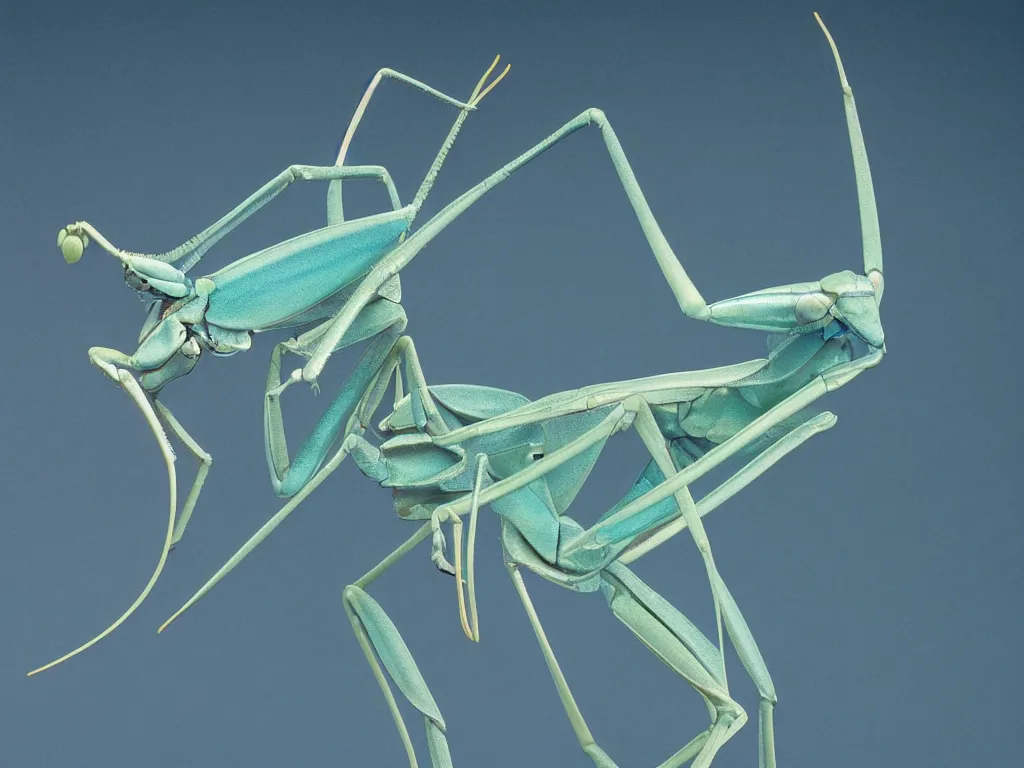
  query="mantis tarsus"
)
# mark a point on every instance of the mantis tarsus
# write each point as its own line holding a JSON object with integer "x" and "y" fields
{"x": 457, "y": 448}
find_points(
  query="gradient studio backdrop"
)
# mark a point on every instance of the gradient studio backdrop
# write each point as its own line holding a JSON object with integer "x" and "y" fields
{"x": 878, "y": 566}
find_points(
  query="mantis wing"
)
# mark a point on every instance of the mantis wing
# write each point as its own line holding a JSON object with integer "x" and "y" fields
{"x": 278, "y": 282}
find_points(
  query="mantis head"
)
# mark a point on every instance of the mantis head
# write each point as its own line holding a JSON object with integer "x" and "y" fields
{"x": 841, "y": 303}
{"x": 72, "y": 244}
{"x": 144, "y": 274}
{"x": 854, "y": 301}
{"x": 844, "y": 302}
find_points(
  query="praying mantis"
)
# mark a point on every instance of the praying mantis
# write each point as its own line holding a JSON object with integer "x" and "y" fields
{"x": 453, "y": 449}
{"x": 347, "y": 265}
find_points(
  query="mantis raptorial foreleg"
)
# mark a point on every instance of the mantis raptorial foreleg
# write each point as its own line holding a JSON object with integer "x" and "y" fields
{"x": 371, "y": 372}
{"x": 425, "y": 412}
{"x": 288, "y": 476}
{"x": 390, "y": 319}
{"x": 205, "y": 462}
{"x": 108, "y": 360}
{"x": 306, "y": 472}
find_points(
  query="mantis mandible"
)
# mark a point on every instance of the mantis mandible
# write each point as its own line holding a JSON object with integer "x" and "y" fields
{"x": 303, "y": 283}
{"x": 456, "y": 448}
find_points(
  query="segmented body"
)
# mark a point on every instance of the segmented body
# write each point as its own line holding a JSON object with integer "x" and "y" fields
{"x": 218, "y": 312}
{"x": 427, "y": 471}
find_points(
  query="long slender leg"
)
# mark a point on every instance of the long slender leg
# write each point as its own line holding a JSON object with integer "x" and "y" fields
{"x": 383, "y": 645}
{"x": 335, "y": 208}
{"x": 754, "y": 469}
{"x": 336, "y": 420}
{"x": 669, "y": 635}
{"x": 579, "y": 725}
{"x": 379, "y": 638}
{"x": 689, "y": 298}
{"x": 478, "y": 93}
{"x": 205, "y": 462}
{"x": 614, "y": 527}
{"x": 753, "y": 662}
{"x": 608, "y": 425}
{"x": 736, "y": 625}
{"x": 371, "y": 377}
{"x": 648, "y": 430}
{"x": 725, "y": 607}
{"x": 383, "y": 322}
{"x": 383, "y": 73}
{"x": 391, "y": 318}
{"x": 267, "y": 528}
{"x": 666, "y": 632}
{"x": 108, "y": 360}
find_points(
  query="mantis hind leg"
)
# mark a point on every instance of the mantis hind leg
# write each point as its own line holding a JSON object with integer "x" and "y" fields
{"x": 673, "y": 639}
{"x": 690, "y": 300}
{"x": 383, "y": 645}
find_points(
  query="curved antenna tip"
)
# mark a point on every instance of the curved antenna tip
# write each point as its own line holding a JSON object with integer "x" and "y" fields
{"x": 835, "y": 52}
{"x": 479, "y": 92}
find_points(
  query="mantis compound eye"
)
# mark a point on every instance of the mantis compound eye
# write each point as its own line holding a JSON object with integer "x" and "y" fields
{"x": 812, "y": 307}
{"x": 134, "y": 281}
{"x": 71, "y": 245}
{"x": 878, "y": 282}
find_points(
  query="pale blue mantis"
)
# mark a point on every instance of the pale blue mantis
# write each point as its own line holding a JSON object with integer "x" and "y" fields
{"x": 221, "y": 311}
{"x": 460, "y": 447}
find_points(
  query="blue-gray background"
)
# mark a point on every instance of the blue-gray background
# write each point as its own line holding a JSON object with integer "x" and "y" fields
{"x": 879, "y": 566}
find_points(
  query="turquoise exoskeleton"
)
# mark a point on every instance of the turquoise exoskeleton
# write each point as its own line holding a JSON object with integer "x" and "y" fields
{"x": 335, "y": 286}
{"x": 451, "y": 450}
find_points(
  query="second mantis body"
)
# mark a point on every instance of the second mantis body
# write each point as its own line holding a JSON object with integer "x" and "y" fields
{"x": 451, "y": 450}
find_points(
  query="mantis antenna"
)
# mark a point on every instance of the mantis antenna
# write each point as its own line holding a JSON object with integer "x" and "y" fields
{"x": 478, "y": 96}
{"x": 870, "y": 235}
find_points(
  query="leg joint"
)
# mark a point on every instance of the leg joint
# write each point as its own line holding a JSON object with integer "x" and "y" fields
{"x": 351, "y": 593}
{"x": 730, "y": 713}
